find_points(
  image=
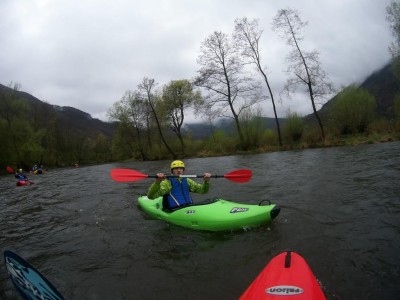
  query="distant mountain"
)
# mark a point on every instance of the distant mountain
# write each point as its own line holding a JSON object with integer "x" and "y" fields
{"x": 202, "y": 130}
{"x": 84, "y": 121}
{"x": 73, "y": 118}
{"x": 383, "y": 84}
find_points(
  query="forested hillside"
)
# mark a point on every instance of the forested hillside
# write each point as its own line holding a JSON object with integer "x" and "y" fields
{"x": 383, "y": 85}
{"x": 74, "y": 118}
{"x": 36, "y": 132}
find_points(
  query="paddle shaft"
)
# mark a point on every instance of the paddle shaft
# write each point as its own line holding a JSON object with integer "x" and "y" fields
{"x": 127, "y": 175}
{"x": 186, "y": 176}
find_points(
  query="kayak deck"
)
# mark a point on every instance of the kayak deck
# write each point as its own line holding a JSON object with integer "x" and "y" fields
{"x": 286, "y": 276}
{"x": 219, "y": 215}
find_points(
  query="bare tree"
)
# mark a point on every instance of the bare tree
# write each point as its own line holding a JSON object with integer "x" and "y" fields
{"x": 304, "y": 67}
{"x": 132, "y": 110}
{"x": 393, "y": 17}
{"x": 222, "y": 75}
{"x": 247, "y": 37}
{"x": 146, "y": 88}
{"x": 137, "y": 111}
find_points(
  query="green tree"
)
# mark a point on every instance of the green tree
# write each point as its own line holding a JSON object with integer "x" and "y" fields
{"x": 397, "y": 107}
{"x": 294, "y": 127}
{"x": 102, "y": 149}
{"x": 177, "y": 97}
{"x": 63, "y": 145}
{"x": 252, "y": 128}
{"x": 14, "y": 113}
{"x": 352, "y": 110}
{"x": 131, "y": 112}
{"x": 147, "y": 91}
{"x": 122, "y": 146}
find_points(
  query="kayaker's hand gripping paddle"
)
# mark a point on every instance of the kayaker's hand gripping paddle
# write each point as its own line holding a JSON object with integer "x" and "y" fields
{"x": 128, "y": 175}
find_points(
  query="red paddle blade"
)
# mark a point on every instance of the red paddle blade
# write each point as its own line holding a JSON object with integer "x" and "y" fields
{"x": 127, "y": 175}
{"x": 9, "y": 169}
{"x": 240, "y": 176}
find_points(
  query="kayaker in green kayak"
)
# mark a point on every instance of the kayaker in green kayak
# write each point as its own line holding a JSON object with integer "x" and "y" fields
{"x": 176, "y": 190}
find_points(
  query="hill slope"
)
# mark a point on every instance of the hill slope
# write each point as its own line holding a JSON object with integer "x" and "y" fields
{"x": 383, "y": 84}
{"x": 73, "y": 118}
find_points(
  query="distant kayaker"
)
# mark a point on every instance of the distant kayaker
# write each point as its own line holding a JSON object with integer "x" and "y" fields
{"x": 20, "y": 175}
{"x": 175, "y": 190}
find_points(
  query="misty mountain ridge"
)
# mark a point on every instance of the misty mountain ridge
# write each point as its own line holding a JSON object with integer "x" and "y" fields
{"x": 382, "y": 84}
{"x": 72, "y": 111}
{"x": 72, "y": 118}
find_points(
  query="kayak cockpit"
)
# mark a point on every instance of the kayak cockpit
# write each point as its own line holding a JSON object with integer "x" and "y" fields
{"x": 213, "y": 214}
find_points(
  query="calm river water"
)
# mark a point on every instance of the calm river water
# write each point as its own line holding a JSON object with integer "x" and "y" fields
{"x": 340, "y": 209}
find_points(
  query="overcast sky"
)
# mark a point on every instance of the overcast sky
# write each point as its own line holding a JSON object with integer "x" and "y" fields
{"x": 87, "y": 53}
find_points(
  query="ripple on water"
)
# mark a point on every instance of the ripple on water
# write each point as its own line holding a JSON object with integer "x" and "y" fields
{"x": 339, "y": 209}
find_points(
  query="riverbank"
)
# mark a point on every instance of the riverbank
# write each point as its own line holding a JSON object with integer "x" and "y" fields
{"x": 353, "y": 140}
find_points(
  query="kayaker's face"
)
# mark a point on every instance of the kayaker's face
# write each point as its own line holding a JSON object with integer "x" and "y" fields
{"x": 178, "y": 171}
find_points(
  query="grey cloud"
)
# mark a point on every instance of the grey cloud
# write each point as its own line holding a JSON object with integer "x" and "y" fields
{"x": 86, "y": 54}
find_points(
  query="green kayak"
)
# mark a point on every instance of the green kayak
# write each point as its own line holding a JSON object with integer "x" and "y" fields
{"x": 216, "y": 215}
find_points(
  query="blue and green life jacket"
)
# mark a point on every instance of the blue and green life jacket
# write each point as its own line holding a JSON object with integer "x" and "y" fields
{"x": 179, "y": 194}
{"x": 21, "y": 176}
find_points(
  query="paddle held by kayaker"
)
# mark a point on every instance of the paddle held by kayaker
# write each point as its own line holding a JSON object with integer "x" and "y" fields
{"x": 176, "y": 190}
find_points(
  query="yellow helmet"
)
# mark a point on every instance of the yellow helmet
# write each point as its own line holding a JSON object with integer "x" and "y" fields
{"x": 20, "y": 170}
{"x": 177, "y": 164}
